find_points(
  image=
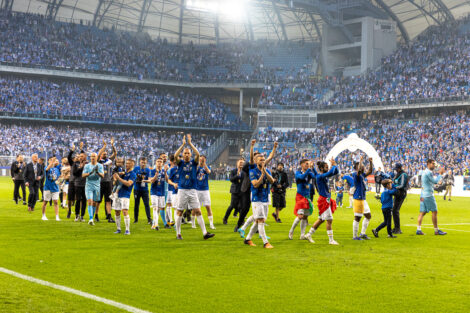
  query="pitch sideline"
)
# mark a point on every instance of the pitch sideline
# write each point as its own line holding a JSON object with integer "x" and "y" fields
{"x": 87, "y": 295}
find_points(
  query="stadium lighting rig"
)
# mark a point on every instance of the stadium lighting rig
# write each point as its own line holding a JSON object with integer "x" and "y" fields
{"x": 231, "y": 9}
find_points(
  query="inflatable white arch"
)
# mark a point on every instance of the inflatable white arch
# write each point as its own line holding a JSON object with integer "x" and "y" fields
{"x": 353, "y": 143}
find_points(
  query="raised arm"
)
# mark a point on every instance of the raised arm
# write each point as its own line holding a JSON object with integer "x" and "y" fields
{"x": 299, "y": 175}
{"x": 179, "y": 150}
{"x": 252, "y": 147}
{"x": 69, "y": 156}
{"x": 102, "y": 150}
{"x": 196, "y": 153}
{"x": 273, "y": 153}
{"x": 113, "y": 156}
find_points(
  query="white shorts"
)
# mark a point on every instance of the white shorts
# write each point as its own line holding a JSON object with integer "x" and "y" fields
{"x": 157, "y": 201}
{"x": 168, "y": 197}
{"x": 48, "y": 195}
{"x": 351, "y": 191}
{"x": 65, "y": 188}
{"x": 304, "y": 212}
{"x": 366, "y": 207}
{"x": 174, "y": 200}
{"x": 260, "y": 209}
{"x": 121, "y": 204}
{"x": 187, "y": 198}
{"x": 326, "y": 216}
{"x": 204, "y": 197}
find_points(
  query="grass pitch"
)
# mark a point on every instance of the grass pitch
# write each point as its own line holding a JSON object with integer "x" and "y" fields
{"x": 150, "y": 270}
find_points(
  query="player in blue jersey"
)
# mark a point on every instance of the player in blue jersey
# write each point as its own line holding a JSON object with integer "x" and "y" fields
{"x": 93, "y": 172}
{"x": 51, "y": 189}
{"x": 122, "y": 202}
{"x": 427, "y": 201}
{"x": 303, "y": 205}
{"x": 360, "y": 206}
{"x": 187, "y": 194}
{"x": 202, "y": 187}
{"x": 339, "y": 193}
{"x": 326, "y": 205}
{"x": 387, "y": 204}
{"x": 172, "y": 197}
{"x": 157, "y": 193}
{"x": 261, "y": 181}
{"x": 168, "y": 209}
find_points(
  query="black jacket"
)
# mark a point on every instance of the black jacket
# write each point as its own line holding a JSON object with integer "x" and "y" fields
{"x": 29, "y": 176}
{"x": 246, "y": 183}
{"x": 236, "y": 180}
{"x": 17, "y": 170}
{"x": 280, "y": 179}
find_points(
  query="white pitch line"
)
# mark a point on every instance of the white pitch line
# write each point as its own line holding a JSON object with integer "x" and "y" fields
{"x": 118, "y": 305}
{"x": 455, "y": 224}
{"x": 432, "y": 226}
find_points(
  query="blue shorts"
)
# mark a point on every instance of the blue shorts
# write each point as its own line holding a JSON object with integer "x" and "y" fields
{"x": 428, "y": 204}
{"x": 92, "y": 193}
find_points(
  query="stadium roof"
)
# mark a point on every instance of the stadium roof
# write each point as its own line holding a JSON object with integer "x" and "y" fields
{"x": 206, "y": 21}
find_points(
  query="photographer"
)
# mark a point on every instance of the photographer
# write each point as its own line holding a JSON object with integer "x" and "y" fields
{"x": 141, "y": 189}
{"x": 448, "y": 179}
{"x": 17, "y": 174}
{"x": 279, "y": 190}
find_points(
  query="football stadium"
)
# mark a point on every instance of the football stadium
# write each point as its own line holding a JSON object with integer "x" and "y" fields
{"x": 234, "y": 156}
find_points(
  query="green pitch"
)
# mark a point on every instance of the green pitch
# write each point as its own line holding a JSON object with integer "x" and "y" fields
{"x": 151, "y": 270}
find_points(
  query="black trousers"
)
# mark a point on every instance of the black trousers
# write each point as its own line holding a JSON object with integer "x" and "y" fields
{"x": 400, "y": 196}
{"x": 387, "y": 220}
{"x": 80, "y": 201}
{"x": 144, "y": 194}
{"x": 16, "y": 190}
{"x": 235, "y": 202}
{"x": 244, "y": 208}
{"x": 33, "y": 194}
{"x": 377, "y": 187}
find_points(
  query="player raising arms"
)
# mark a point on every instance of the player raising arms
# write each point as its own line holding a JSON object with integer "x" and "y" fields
{"x": 187, "y": 194}
{"x": 157, "y": 193}
{"x": 261, "y": 180}
{"x": 172, "y": 176}
{"x": 326, "y": 205}
{"x": 122, "y": 202}
{"x": 51, "y": 190}
{"x": 93, "y": 172}
{"x": 202, "y": 187}
{"x": 303, "y": 206}
{"x": 106, "y": 184}
{"x": 360, "y": 206}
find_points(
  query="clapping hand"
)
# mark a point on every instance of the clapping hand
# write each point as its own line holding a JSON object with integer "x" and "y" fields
{"x": 253, "y": 141}
{"x": 189, "y": 138}
{"x": 333, "y": 162}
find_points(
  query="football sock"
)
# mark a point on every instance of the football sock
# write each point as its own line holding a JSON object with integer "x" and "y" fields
{"x": 250, "y": 220}
{"x": 127, "y": 221}
{"x": 303, "y": 226}
{"x": 193, "y": 221}
{"x": 90, "y": 212}
{"x": 178, "y": 224}
{"x": 419, "y": 228}
{"x": 118, "y": 222}
{"x": 355, "y": 228}
{"x": 162, "y": 215}
{"x": 200, "y": 221}
{"x": 211, "y": 220}
{"x": 252, "y": 231}
{"x": 312, "y": 231}
{"x": 155, "y": 216}
{"x": 365, "y": 224}
{"x": 262, "y": 232}
{"x": 330, "y": 235}
{"x": 294, "y": 224}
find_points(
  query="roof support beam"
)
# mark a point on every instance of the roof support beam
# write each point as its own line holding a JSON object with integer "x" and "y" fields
{"x": 425, "y": 12}
{"x": 180, "y": 27}
{"x": 402, "y": 29}
{"x": 319, "y": 34}
{"x": 279, "y": 17}
{"x": 53, "y": 8}
{"x": 444, "y": 9}
{"x": 143, "y": 14}
{"x": 7, "y": 5}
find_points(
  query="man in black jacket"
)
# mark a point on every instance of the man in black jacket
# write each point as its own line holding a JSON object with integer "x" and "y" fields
{"x": 17, "y": 174}
{"x": 401, "y": 184}
{"x": 79, "y": 182}
{"x": 236, "y": 177}
{"x": 33, "y": 174}
{"x": 279, "y": 190}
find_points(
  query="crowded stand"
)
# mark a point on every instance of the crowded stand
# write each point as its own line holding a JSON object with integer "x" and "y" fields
{"x": 112, "y": 104}
{"x": 32, "y": 40}
{"x": 56, "y": 140}
{"x": 444, "y": 137}
{"x": 433, "y": 67}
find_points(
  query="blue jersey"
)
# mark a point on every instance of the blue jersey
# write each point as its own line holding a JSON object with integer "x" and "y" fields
{"x": 349, "y": 180}
{"x": 174, "y": 177}
{"x": 202, "y": 182}
{"x": 302, "y": 181}
{"x": 428, "y": 181}
{"x": 51, "y": 176}
{"x": 141, "y": 174}
{"x": 260, "y": 194}
{"x": 339, "y": 190}
{"x": 187, "y": 174}
{"x": 158, "y": 187}
{"x": 387, "y": 199}
{"x": 93, "y": 180}
{"x": 360, "y": 185}
{"x": 125, "y": 192}
{"x": 322, "y": 182}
